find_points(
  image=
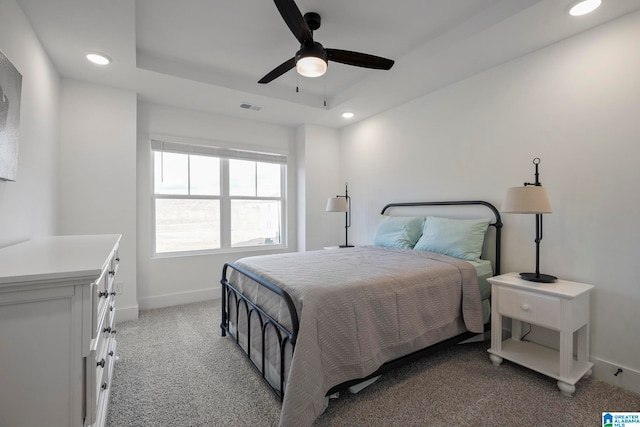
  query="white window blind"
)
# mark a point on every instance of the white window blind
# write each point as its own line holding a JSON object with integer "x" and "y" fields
{"x": 222, "y": 152}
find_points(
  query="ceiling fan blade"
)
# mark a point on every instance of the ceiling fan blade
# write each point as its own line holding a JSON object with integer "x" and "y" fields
{"x": 294, "y": 20}
{"x": 278, "y": 71}
{"x": 359, "y": 59}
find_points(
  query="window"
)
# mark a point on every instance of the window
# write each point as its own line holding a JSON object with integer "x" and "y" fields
{"x": 209, "y": 198}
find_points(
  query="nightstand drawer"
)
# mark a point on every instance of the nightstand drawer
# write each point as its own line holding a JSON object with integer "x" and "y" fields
{"x": 529, "y": 307}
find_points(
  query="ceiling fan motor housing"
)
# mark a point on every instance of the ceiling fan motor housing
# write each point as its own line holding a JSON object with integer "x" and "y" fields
{"x": 313, "y": 20}
{"x": 316, "y": 50}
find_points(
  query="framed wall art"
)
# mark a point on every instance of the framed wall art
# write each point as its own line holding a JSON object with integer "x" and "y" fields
{"x": 10, "y": 93}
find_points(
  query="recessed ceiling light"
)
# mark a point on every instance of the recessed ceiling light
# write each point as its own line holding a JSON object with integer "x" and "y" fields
{"x": 347, "y": 115}
{"x": 98, "y": 58}
{"x": 583, "y": 7}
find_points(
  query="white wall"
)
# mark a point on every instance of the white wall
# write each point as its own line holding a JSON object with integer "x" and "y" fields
{"x": 97, "y": 173}
{"x": 164, "y": 281}
{"x": 575, "y": 105}
{"x": 27, "y": 206}
{"x": 318, "y": 179}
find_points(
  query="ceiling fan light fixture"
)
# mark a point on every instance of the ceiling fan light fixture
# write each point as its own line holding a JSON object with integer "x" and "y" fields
{"x": 311, "y": 60}
{"x": 311, "y": 66}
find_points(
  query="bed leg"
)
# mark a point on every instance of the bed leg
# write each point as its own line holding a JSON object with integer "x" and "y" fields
{"x": 223, "y": 310}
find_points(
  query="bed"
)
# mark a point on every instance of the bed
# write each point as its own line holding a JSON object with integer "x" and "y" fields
{"x": 319, "y": 322}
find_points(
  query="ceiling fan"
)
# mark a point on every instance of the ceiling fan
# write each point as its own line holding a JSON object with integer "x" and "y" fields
{"x": 311, "y": 60}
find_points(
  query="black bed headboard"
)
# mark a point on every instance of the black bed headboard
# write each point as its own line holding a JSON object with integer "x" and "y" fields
{"x": 497, "y": 223}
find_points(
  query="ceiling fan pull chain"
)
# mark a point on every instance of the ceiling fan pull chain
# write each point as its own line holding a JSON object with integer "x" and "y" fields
{"x": 324, "y": 79}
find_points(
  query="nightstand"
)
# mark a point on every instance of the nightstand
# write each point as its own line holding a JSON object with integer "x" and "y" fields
{"x": 562, "y": 306}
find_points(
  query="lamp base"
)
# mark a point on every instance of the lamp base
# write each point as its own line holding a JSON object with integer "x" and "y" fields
{"x": 542, "y": 278}
{"x": 345, "y": 246}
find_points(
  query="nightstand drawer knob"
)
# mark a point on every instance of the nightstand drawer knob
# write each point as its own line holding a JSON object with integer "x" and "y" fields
{"x": 525, "y": 307}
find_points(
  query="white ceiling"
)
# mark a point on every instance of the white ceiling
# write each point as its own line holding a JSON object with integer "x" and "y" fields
{"x": 208, "y": 55}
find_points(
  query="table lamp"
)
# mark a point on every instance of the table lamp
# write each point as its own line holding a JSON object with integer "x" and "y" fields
{"x": 342, "y": 204}
{"x": 531, "y": 199}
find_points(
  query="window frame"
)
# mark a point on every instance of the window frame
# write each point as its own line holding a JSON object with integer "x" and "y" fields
{"x": 225, "y": 199}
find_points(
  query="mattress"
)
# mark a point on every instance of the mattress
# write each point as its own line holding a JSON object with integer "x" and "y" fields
{"x": 484, "y": 270}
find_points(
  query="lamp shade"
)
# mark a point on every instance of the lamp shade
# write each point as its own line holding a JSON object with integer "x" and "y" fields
{"x": 530, "y": 199}
{"x": 337, "y": 204}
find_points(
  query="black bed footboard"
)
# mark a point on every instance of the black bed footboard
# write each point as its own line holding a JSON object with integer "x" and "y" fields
{"x": 285, "y": 337}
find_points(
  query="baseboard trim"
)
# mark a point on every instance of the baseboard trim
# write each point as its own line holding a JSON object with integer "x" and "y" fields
{"x": 126, "y": 313}
{"x": 628, "y": 379}
{"x": 178, "y": 298}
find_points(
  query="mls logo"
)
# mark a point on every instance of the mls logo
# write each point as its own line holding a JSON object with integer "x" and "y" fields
{"x": 607, "y": 420}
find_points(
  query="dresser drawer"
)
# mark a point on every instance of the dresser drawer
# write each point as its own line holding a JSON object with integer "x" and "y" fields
{"x": 114, "y": 263}
{"x": 103, "y": 283}
{"x": 105, "y": 385}
{"x": 529, "y": 307}
{"x": 99, "y": 301}
{"x": 102, "y": 301}
{"x": 104, "y": 365}
{"x": 100, "y": 363}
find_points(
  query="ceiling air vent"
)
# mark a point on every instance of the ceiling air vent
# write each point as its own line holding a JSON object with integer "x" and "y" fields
{"x": 251, "y": 107}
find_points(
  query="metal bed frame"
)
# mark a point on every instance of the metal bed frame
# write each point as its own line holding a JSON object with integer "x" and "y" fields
{"x": 287, "y": 338}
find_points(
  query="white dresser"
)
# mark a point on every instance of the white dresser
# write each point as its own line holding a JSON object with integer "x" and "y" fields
{"x": 57, "y": 330}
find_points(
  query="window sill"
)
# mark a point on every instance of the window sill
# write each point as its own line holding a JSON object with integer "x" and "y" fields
{"x": 248, "y": 250}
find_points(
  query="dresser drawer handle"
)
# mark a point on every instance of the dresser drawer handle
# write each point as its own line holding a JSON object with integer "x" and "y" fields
{"x": 104, "y": 385}
{"x": 112, "y": 272}
{"x": 525, "y": 306}
{"x": 101, "y": 363}
{"x": 107, "y": 329}
{"x": 103, "y": 294}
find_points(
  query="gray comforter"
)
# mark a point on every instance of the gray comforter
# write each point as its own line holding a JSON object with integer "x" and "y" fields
{"x": 359, "y": 308}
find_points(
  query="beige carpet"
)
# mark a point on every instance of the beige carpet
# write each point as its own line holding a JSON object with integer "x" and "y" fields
{"x": 176, "y": 370}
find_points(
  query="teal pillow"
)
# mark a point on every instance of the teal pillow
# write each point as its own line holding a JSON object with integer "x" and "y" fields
{"x": 460, "y": 238}
{"x": 399, "y": 232}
